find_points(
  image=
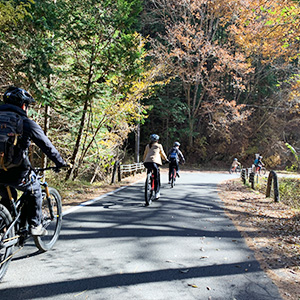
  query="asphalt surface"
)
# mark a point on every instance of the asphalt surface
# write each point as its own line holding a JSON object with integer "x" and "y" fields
{"x": 181, "y": 247}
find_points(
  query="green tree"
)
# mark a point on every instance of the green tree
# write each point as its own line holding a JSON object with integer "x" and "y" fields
{"x": 101, "y": 52}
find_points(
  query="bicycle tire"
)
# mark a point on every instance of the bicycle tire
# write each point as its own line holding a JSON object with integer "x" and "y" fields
{"x": 173, "y": 178}
{"x": 263, "y": 171}
{"x": 53, "y": 225}
{"x": 5, "y": 253}
{"x": 148, "y": 189}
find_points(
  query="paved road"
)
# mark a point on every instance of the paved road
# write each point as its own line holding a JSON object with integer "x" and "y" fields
{"x": 182, "y": 247}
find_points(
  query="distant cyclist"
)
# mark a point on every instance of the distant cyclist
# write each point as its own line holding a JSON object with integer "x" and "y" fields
{"x": 258, "y": 163}
{"x": 235, "y": 164}
{"x": 175, "y": 156}
{"x": 153, "y": 156}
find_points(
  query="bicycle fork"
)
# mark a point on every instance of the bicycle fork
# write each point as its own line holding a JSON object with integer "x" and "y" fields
{"x": 45, "y": 185}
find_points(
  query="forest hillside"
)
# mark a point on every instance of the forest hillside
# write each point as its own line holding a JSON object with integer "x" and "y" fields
{"x": 220, "y": 77}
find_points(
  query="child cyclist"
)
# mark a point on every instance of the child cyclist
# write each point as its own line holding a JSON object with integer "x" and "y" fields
{"x": 235, "y": 164}
{"x": 175, "y": 156}
{"x": 258, "y": 163}
{"x": 153, "y": 156}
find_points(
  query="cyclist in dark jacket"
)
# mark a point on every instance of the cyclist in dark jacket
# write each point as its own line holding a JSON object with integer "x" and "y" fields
{"x": 23, "y": 177}
{"x": 175, "y": 156}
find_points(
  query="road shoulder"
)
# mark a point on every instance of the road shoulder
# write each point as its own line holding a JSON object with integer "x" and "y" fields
{"x": 271, "y": 230}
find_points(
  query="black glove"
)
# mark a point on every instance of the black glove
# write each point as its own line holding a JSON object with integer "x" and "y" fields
{"x": 57, "y": 169}
{"x": 60, "y": 166}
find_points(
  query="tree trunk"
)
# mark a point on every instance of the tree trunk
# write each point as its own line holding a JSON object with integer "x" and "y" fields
{"x": 46, "y": 128}
{"x": 137, "y": 143}
{"x": 83, "y": 117}
{"x": 78, "y": 140}
{"x": 191, "y": 130}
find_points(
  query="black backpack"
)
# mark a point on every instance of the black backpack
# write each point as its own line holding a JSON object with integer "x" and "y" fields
{"x": 11, "y": 130}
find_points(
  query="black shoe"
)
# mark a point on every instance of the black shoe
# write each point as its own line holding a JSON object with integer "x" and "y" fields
{"x": 177, "y": 174}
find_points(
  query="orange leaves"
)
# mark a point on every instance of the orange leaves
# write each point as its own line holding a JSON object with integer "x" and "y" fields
{"x": 268, "y": 28}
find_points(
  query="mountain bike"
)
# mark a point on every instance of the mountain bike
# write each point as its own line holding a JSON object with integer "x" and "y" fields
{"x": 14, "y": 229}
{"x": 149, "y": 187}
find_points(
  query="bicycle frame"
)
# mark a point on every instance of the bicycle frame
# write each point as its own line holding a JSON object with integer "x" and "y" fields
{"x": 15, "y": 211}
{"x": 15, "y": 230}
{"x": 17, "y": 215}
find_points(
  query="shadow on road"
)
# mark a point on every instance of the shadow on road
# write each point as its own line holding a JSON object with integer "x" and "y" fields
{"x": 128, "y": 279}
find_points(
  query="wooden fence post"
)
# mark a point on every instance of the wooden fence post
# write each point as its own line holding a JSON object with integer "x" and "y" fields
{"x": 252, "y": 179}
{"x": 273, "y": 176}
{"x": 119, "y": 172}
{"x": 243, "y": 175}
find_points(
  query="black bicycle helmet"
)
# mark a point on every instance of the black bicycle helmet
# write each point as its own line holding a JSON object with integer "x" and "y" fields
{"x": 17, "y": 96}
{"x": 154, "y": 137}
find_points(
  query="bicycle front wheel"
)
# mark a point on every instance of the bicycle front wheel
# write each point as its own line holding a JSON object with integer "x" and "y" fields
{"x": 263, "y": 171}
{"x": 5, "y": 252}
{"x": 148, "y": 189}
{"x": 51, "y": 220}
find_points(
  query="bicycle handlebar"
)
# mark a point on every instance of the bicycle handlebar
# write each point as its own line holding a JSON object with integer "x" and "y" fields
{"x": 37, "y": 170}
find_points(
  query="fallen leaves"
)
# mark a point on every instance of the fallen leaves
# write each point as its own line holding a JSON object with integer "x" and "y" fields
{"x": 271, "y": 229}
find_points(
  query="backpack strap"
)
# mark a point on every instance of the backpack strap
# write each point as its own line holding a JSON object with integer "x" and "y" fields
{"x": 2, "y": 161}
{"x": 16, "y": 135}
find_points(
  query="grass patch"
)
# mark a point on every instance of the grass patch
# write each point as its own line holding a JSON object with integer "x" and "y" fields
{"x": 57, "y": 181}
{"x": 289, "y": 190}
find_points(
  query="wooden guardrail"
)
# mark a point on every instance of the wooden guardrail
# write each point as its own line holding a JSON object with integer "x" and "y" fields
{"x": 245, "y": 174}
{"x": 126, "y": 170}
{"x": 248, "y": 174}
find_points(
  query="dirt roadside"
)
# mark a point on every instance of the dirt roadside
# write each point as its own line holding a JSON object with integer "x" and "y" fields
{"x": 271, "y": 230}
{"x": 78, "y": 196}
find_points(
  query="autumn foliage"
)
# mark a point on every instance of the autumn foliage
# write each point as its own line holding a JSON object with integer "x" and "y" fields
{"x": 220, "y": 76}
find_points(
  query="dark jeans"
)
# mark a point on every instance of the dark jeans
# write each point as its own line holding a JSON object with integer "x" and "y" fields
{"x": 155, "y": 168}
{"x": 32, "y": 193}
{"x": 172, "y": 165}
